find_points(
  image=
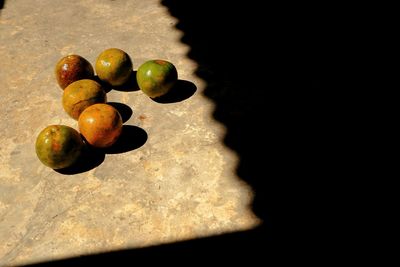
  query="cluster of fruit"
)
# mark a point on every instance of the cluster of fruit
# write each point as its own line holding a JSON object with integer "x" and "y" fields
{"x": 85, "y": 100}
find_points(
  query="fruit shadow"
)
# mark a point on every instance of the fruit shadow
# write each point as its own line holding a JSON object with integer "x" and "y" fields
{"x": 181, "y": 91}
{"x": 107, "y": 87}
{"x": 89, "y": 159}
{"x": 130, "y": 86}
{"x": 131, "y": 138}
{"x": 125, "y": 111}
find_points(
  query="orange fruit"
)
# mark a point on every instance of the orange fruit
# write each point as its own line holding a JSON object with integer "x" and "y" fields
{"x": 101, "y": 125}
{"x": 114, "y": 66}
{"x": 58, "y": 146}
{"x": 80, "y": 95}
{"x": 156, "y": 77}
{"x": 72, "y": 68}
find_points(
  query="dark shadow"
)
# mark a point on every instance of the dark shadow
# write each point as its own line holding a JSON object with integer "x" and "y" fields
{"x": 2, "y": 4}
{"x": 125, "y": 111}
{"x": 132, "y": 137}
{"x": 130, "y": 86}
{"x": 107, "y": 87}
{"x": 223, "y": 249}
{"x": 180, "y": 91}
{"x": 242, "y": 78}
{"x": 89, "y": 159}
{"x": 259, "y": 64}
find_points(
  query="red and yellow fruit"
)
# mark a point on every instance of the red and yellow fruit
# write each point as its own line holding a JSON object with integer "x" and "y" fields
{"x": 72, "y": 68}
{"x": 58, "y": 146}
{"x": 101, "y": 125}
{"x": 81, "y": 94}
{"x": 156, "y": 77}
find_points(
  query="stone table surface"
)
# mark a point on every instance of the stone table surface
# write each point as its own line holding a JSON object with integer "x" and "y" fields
{"x": 177, "y": 182}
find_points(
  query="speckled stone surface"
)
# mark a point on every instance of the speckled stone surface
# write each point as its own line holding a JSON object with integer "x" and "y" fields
{"x": 179, "y": 184}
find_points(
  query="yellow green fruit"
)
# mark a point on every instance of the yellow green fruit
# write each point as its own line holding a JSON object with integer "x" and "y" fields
{"x": 156, "y": 77}
{"x": 58, "y": 146}
{"x": 114, "y": 66}
{"x": 80, "y": 95}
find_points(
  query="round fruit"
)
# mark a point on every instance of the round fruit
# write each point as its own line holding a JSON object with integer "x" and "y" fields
{"x": 58, "y": 146}
{"x": 101, "y": 125}
{"x": 156, "y": 77}
{"x": 114, "y": 66}
{"x": 72, "y": 68}
{"x": 80, "y": 95}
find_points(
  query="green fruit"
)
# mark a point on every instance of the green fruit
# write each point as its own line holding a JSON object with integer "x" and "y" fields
{"x": 156, "y": 77}
{"x": 72, "y": 68}
{"x": 58, "y": 146}
{"x": 80, "y": 95}
{"x": 114, "y": 66}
